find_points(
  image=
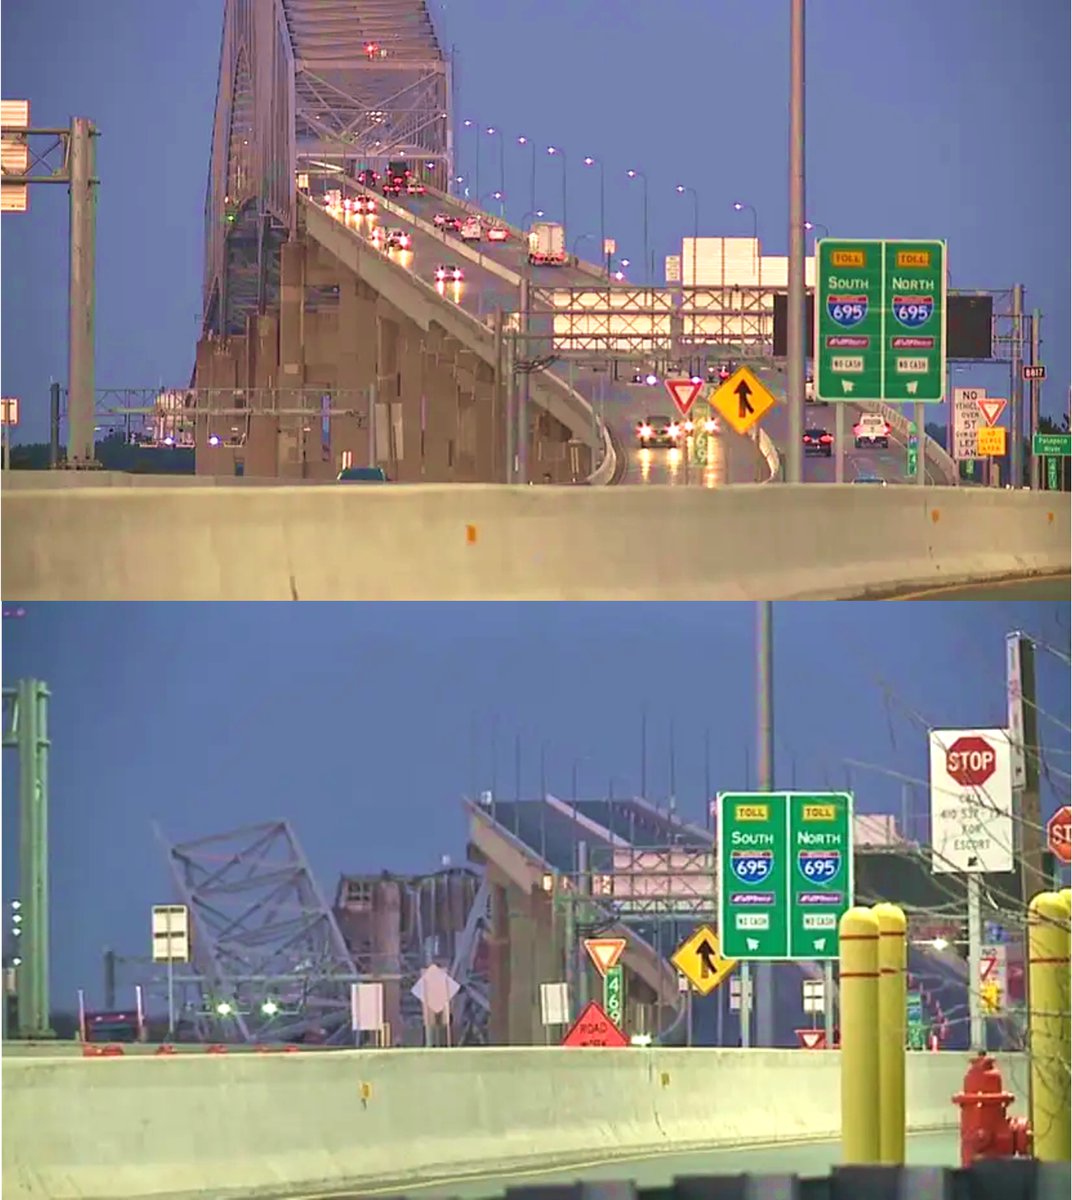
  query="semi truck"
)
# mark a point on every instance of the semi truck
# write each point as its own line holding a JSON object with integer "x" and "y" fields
{"x": 547, "y": 244}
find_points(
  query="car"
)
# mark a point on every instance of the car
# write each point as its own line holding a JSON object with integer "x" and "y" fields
{"x": 368, "y": 177}
{"x": 449, "y": 274}
{"x": 809, "y": 392}
{"x": 818, "y": 441}
{"x": 658, "y": 431}
{"x": 869, "y": 477}
{"x": 452, "y": 225}
{"x": 440, "y": 220}
{"x": 366, "y": 206}
{"x": 398, "y": 239}
{"x": 472, "y": 230}
{"x": 415, "y": 188}
{"x": 498, "y": 233}
{"x": 362, "y": 475}
{"x": 871, "y": 430}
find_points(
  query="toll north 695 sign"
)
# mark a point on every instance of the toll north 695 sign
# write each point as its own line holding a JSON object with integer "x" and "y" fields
{"x": 880, "y": 327}
{"x": 785, "y": 873}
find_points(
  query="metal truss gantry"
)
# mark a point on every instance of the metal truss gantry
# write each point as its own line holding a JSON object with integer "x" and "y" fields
{"x": 309, "y": 85}
{"x": 263, "y": 932}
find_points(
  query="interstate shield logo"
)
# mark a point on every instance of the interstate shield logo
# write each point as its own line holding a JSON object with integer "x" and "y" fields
{"x": 752, "y": 866}
{"x": 913, "y": 311}
{"x": 819, "y": 866}
{"x": 846, "y": 311}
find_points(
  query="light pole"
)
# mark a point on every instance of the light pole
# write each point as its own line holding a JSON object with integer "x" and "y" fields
{"x": 681, "y": 189}
{"x": 580, "y": 238}
{"x": 493, "y": 132}
{"x": 597, "y": 162}
{"x": 740, "y": 206}
{"x": 553, "y": 150}
{"x": 473, "y": 125}
{"x": 524, "y": 141}
{"x": 796, "y": 333}
{"x": 648, "y": 271}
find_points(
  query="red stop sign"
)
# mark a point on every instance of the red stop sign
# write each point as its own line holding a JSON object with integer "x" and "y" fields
{"x": 1059, "y": 833}
{"x": 970, "y": 761}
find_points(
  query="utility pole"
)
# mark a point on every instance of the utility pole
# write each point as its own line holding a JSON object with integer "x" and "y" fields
{"x": 27, "y": 707}
{"x": 1036, "y": 400}
{"x": 796, "y": 325}
{"x": 1016, "y": 400}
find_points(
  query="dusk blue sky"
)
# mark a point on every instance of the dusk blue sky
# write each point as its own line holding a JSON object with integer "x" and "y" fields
{"x": 355, "y": 722}
{"x": 925, "y": 119}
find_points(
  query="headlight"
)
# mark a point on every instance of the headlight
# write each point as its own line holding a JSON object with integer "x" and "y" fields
{"x": 645, "y": 431}
{"x": 709, "y": 426}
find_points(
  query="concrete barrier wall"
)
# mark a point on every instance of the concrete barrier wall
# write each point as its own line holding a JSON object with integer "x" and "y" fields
{"x": 90, "y": 1129}
{"x": 484, "y": 542}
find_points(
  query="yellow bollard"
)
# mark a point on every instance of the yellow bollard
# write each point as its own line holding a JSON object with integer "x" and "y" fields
{"x": 858, "y": 983}
{"x": 892, "y": 1031}
{"x": 1048, "y": 988}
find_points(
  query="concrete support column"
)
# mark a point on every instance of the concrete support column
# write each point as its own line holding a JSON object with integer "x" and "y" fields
{"x": 292, "y": 315}
{"x": 524, "y": 993}
{"x": 487, "y": 457}
{"x": 388, "y": 412}
{"x": 441, "y": 449}
{"x": 411, "y": 374}
{"x": 499, "y": 967}
{"x": 466, "y": 435}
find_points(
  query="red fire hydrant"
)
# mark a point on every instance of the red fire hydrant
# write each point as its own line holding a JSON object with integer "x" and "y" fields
{"x": 986, "y": 1129}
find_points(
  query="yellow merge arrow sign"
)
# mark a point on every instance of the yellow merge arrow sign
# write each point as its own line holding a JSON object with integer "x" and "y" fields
{"x": 742, "y": 400}
{"x": 699, "y": 959}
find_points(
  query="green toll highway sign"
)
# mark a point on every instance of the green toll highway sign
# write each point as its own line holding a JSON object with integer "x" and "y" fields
{"x": 1059, "y": 444}
{"x": 785, "y": 873}
{"x": 880, "y": 321}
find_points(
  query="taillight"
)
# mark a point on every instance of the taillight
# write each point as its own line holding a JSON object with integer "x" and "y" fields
{"x": 826, "y": 438}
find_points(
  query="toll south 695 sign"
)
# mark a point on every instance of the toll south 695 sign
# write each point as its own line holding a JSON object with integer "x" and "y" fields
{"x": 785, "y": 873}
{"x": 880, "y": 321}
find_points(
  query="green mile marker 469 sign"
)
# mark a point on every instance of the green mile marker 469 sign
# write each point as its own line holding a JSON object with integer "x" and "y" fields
{"x": 880, "y": 321}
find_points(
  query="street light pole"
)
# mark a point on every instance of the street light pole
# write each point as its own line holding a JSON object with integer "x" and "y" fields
{"x": 552, "y": 150}
{"x": 795, "y": 348}
{"x": 476, "y": 172}
{"x": 493, "y": 132}
{"x": 764, "y": 1007}
{"x": 605, "y": 259}
{"x": 648, "y": 273}
{"x": 524, "y": 141}
{"x": 681, "y": 190}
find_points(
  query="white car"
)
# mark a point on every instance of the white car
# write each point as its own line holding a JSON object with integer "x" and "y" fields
{"x": 498, "y": 233}
{"x": 871, "y": 430}
{"x": 441, "y": 220}
{"x": 449, "y": 274}
{"x": 472, "y": 230}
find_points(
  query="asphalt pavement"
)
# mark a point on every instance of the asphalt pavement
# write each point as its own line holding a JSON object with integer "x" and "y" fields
{"x": 804, "y": 1159}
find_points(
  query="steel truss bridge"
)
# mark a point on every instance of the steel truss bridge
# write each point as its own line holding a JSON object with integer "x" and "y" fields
{"x": 305, "y": 84}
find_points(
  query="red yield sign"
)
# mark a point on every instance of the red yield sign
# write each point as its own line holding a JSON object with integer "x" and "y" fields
{"x": 812, "y": 1039}
{"x": 683, "y": 392}
{"x": 970, "y": 761}
{"x": 1059, "y": 834}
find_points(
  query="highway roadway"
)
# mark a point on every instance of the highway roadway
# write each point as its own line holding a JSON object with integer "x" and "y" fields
{"x": 730, "y": 459}
{"x": 805, "y": 1159}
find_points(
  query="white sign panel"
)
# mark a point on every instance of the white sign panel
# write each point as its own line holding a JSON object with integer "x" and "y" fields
{"x": 994, "y": 966}
{"x": 1014, "y": 684}
{"x": 967, "y": 420}
{"x": 366, "y": 1007}
{"x": 813, "y": 995}
{"x": 735, "y": 993}
{"x": 971, "y": 800}
{"x": 435, "y": 989}
{"x": 171, "y": 933}
{"x": 554, "y": 1003}
{"x": 673, "y": 268}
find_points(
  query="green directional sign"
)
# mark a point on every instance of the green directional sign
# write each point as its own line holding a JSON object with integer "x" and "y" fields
{"x": 912, "y": 448}
{"x": 915, "y": 1027}
{"x": 1057, "y": 444}
{"x": 613, "y": 995}
{"x": 1052, "y": 484}
{"x": 785, "y": 873}
{"x": 880, "y": 321}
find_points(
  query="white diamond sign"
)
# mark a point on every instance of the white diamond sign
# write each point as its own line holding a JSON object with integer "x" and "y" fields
{"x": 435, "y": 989}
